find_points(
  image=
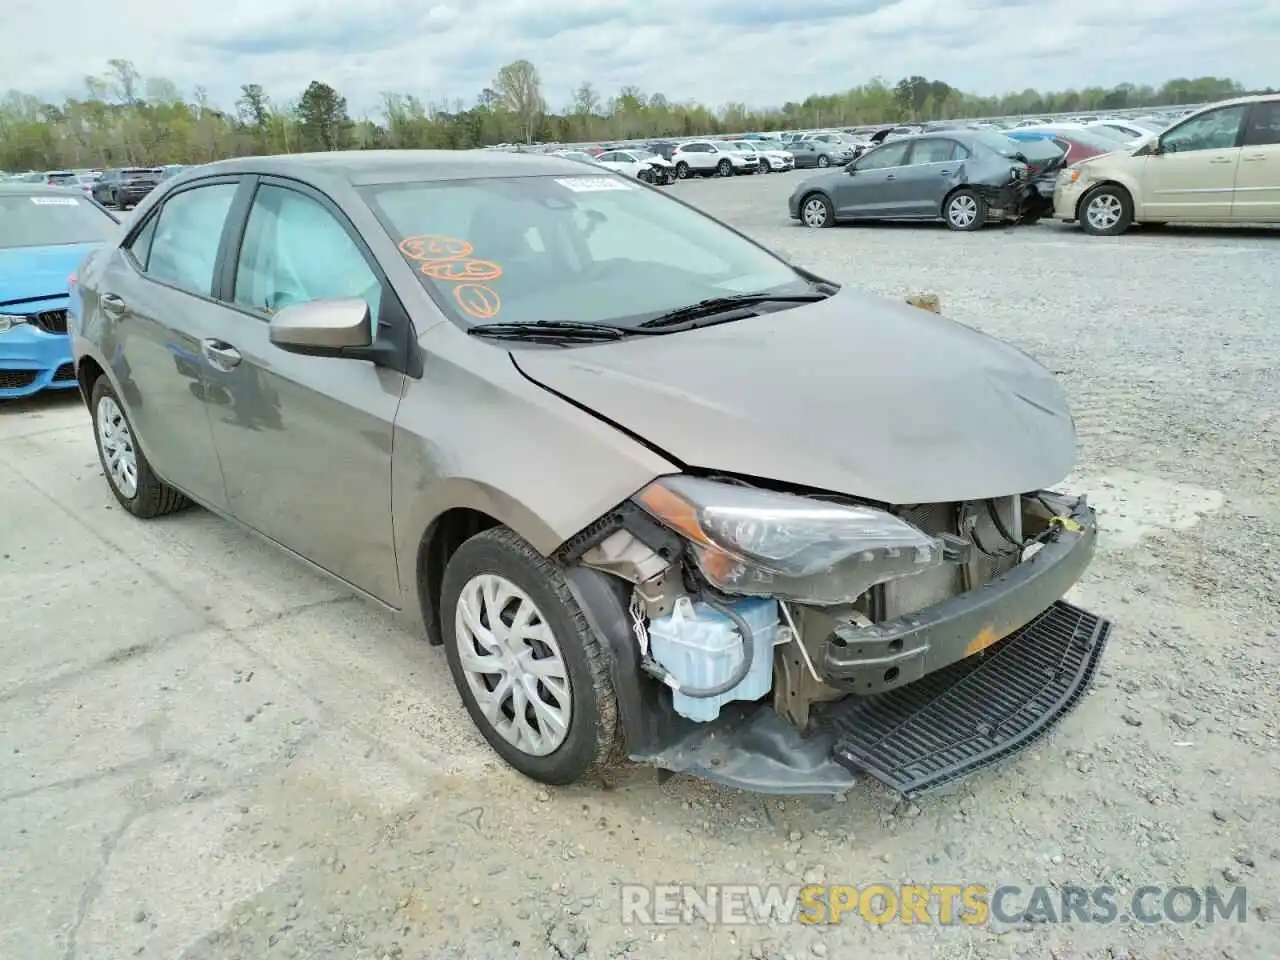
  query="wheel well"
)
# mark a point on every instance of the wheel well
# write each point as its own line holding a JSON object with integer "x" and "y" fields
{"x": 446, "y": 534}
{"x": 1094, "y": 189}
{"x": 87, "y": 374}
{"x": 809, "y": 196}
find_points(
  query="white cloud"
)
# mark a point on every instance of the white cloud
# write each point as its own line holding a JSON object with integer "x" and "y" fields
{"x": 763, "y": 52}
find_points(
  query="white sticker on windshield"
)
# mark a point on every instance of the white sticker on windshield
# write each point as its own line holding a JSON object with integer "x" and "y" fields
{"x": 593, "y": 184}
{"x": 55, "y": 201}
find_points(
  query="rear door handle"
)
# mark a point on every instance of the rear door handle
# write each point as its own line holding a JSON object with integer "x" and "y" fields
{"x": 1256, "y": 156}
{"x": 944, "y": 173}
{"x": 112, "y": 305}
{"x": 1221, "y": 160}
{"x": 890, "y": 176}
{"x": 220, "y": 354}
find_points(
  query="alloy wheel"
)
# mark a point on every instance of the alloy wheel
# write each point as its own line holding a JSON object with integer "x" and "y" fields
{"x": 513, "y": 664}
{"x": 1104, "y": 211}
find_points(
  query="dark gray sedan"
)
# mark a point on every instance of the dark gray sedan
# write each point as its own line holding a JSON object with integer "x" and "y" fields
{"x": 964, "y": 177}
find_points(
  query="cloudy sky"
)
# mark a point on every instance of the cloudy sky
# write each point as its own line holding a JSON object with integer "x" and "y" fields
{"x": 763, "y": 52}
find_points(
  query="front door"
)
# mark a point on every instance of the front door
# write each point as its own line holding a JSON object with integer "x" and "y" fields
{"x": 305, "y": 442}
{"x": 872, "y": 189}
{"x": 157, "y": 292}
{"x": 1257, "y": 195}
{"x": 1193, "y": 176}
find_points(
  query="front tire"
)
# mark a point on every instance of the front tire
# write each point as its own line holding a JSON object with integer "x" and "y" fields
{"x": 1106, "y": 211}
{"x": 532, "y": 674}
{"x": 724, "y": 169}
{"x": 824, "y": 161}
{"x": 816, "y": 212}
{"x": 965, "y": 210}
{"x": 130, "y": 477}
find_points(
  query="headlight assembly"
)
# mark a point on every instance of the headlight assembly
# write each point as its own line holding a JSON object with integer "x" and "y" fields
{"x": 759, "y": 543}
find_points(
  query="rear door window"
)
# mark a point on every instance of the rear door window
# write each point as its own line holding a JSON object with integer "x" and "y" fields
{"x": 1263, "y": 127}
{"x": 184, "y": 250}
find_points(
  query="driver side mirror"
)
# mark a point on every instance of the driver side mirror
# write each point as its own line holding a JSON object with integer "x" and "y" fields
{"x": 324, "y": 328}
{"x": 850, "y": 169}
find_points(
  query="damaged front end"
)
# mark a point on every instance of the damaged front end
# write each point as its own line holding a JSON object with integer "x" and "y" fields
{"x": 783, "y": 643}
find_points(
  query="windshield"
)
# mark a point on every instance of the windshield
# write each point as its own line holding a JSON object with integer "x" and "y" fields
{"x": 584, "y": 248}
{"x": 1113, "y": 133}
{"x": 28, "y": 220}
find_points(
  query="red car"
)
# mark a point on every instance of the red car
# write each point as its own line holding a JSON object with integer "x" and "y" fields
{"x": 1076, "y": 144}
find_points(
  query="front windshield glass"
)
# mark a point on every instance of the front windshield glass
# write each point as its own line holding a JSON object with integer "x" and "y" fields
{"x": 1112, "y": 133}
{"x": 579, "y": 248}
{"x": 28, "y": 220}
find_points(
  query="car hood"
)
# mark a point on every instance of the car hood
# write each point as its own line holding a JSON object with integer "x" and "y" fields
{"x": 854, "y": 394}
{"x": 31, "y": 273}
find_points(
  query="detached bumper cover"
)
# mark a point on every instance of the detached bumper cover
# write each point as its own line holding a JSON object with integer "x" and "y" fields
{"x": 884, "y": 656}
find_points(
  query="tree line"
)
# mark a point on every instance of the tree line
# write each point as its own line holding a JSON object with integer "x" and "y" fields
{"x": 123, "y": 118}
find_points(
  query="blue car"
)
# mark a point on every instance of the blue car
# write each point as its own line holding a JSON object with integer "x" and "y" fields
{"x": 45, "y": 234}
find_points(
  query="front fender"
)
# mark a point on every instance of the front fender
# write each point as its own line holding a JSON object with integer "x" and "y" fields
{"x": 475, "y": 434}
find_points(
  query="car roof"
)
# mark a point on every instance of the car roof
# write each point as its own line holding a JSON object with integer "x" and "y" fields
{"x": 366, "y": 167}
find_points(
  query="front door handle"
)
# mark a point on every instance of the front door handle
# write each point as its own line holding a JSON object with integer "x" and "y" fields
{"x": 944, "y": 173}
{"x": 220, "y": 354}
{"x": 112, "y": 305}
{"x": 890, "y": 176}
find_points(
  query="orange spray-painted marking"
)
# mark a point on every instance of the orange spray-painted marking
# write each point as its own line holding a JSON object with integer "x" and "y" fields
{"x": 478, "y": 300}
{"x": 462, "y": 271}
{"x": 435, "y": 247}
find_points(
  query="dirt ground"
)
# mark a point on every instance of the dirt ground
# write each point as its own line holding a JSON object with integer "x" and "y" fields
{"x": 208, "y": 753}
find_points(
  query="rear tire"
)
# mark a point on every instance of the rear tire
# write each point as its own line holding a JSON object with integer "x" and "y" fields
{"x": 823, "y": 160}
{"x": 1106, "y": 211}
{"x": 498, "y": 569}
{"x": 129, "y": 475}
{"x": 965, "y": 210}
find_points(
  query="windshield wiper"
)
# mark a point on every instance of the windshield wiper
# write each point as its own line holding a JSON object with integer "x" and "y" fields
{"x": 714, "y": 305}
{"x": 551, "y": 331}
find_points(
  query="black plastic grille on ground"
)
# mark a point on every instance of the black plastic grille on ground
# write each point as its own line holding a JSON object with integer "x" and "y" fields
{"x": 973, "y": 713}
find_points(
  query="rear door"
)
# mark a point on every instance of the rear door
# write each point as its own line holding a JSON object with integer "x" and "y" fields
{"x": 1193, "y": 177}
{"x": 154, "y": 297}
{"x": 1257, "y": 193}
{"x": 305, "y": 442}
{"x": 919, "y": 187}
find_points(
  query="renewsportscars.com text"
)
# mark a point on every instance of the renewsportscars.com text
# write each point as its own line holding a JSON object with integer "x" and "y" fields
{"x": 941, "y": 904}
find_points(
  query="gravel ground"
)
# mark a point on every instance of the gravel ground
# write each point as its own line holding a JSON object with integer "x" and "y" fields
{"x": 211, "y": 754}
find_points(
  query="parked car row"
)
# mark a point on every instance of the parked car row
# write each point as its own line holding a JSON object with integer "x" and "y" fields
{"x": 119, "y": 187}
{"x": 1218, "y": 164}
